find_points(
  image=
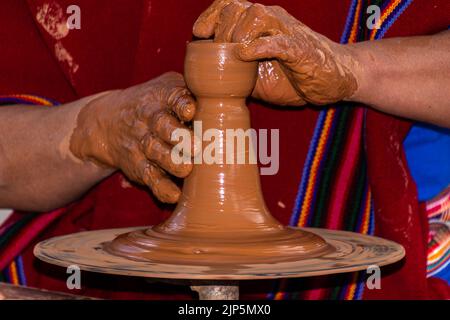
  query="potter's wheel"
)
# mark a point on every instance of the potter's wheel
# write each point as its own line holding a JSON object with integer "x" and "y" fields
{"x": 352, "y": 252}
{"x": 221, "y": 228}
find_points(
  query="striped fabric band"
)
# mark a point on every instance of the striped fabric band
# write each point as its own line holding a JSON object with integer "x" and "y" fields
{"x": 334, "y": 192}
{"x": 439, "y": 207}
{"x": 14, "y": 273}
{"x": 26, "y": 99}
{"x": 438, "y": 210}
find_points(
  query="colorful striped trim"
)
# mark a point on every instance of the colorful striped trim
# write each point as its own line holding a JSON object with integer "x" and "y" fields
{"x": 391, "y": 11}
{"x": 308, "y": 190}
{"x": 26, "y": 99}
{"x": 11, "y": 232}
{"x": 357, "y": 16}
{"x": 438, "y": 248}
{"x": 15, "y": 273}
{"x": 335, "y": 165}
{"x": 438, "y": 211}
{"x": 439, "y": 207}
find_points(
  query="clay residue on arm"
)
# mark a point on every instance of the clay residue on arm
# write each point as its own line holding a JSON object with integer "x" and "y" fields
{"x": 51, "y": 156}
{"x": 131, "y": 130}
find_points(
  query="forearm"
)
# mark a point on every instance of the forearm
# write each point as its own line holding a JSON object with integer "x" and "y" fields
{"x": 37, "y": 170}
{"x": 407, "y": 77}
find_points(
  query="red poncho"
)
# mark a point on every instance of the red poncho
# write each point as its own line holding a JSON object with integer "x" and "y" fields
{"x": 122, "y": 43}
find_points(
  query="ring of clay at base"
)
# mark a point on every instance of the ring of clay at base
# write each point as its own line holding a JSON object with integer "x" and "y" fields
{"x": 353, "y": 252}
{"x": 287, "y": 244}
{"x": 221, "y": 218}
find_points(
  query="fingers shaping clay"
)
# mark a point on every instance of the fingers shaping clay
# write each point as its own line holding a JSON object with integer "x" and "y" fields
{"x": 221, "y": 218}
{"x": 221, "y": 228}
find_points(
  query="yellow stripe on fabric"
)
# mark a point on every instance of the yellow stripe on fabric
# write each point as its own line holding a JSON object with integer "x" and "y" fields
{"x": 13, "y": 273}
{"x": 438, "y": 252}
{"x": 355, "y": 25}
{"x": 38, "y": 100}
{"x": 314, "y": 167}
{"x": 387, "y": 12}
{"x": 366, "y": 218}
{"x": 352, "y": 288}
{"x": 279, "y": 296}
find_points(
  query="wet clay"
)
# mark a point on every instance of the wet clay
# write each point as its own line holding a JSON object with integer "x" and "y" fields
{"x": 352, "y": 252}
{"x": 221, "y": 218}
{"x": 131, "y": 130}
{"x": 297, "y": 65}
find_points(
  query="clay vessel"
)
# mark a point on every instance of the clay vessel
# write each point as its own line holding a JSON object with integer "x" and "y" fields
{"x": 221, "y": 218}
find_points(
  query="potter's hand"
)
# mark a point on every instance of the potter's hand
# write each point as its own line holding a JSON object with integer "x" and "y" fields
{"x": 297, "y": 64}
{"x": 131, "y": 130}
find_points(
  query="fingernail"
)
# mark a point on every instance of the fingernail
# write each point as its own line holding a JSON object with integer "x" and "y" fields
{"x": 188, "y": 111}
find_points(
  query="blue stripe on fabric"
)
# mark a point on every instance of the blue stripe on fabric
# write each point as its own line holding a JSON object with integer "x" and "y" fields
{"x": 306, "y": 167}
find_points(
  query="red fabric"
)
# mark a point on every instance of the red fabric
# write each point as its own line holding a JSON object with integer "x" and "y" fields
{"x": 123, "y": 42}
{"x": 398, "y": 215}
{"x": 22, "y": 239}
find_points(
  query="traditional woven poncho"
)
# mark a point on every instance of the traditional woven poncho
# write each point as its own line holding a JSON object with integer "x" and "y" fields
{"x": 341, "y": 167}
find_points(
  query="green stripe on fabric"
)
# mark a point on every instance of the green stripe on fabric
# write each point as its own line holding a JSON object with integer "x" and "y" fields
{"x": 330, "y": 167}
{"x": 357, "y": 195}
{"x": 14, "y": 229}
{"x": 341, "y": 281}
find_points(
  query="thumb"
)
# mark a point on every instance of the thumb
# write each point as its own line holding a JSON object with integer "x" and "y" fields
{"x": 206, "y": 23}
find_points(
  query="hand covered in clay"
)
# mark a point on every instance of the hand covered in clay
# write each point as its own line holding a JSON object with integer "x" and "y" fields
{"x": 131, "y": 130}
{"x": 297, "y": 65}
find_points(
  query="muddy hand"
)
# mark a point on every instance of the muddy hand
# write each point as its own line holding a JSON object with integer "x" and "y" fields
{"x": 298, "y": 65}
{"x": 131, "y": 130}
